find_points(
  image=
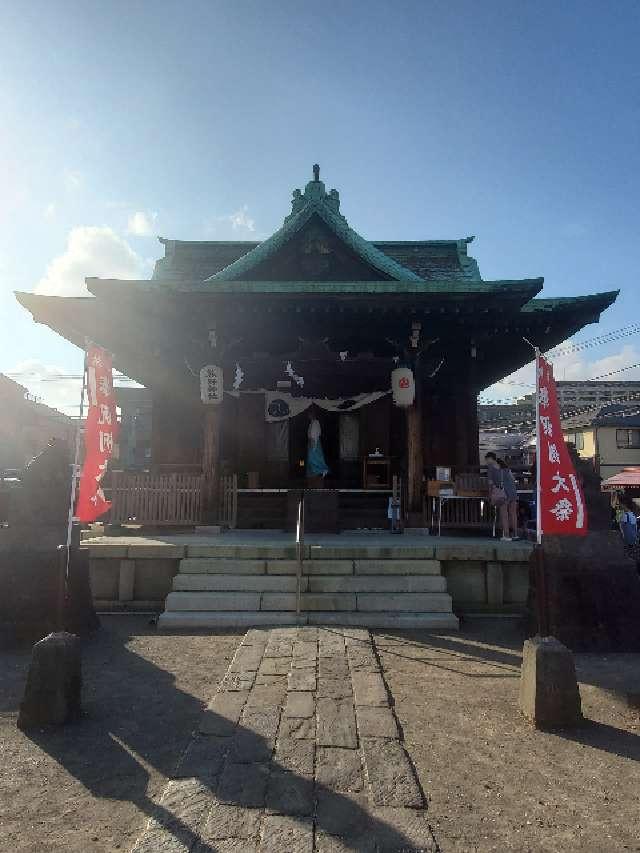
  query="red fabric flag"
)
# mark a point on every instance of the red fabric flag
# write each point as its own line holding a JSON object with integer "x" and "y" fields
{"x": 562, "y": 510}
{"x": 99, "y": 434}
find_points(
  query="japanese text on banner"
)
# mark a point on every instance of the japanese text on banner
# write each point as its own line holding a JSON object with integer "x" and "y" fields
{"x": 99, "y": 435}
{"x": 562, "y": 506}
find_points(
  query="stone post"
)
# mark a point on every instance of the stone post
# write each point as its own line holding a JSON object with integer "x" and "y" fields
{"x": 549, "y": 695}
{"x": 54, "y": 682}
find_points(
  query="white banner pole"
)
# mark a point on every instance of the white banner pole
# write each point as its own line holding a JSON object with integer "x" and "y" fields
{"x": 538, "y": 449}
{"x": 76, "y": 457}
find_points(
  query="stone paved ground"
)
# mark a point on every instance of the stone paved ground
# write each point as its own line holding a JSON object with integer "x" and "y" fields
{"x": 299, "y": 751}
{"x": 494, "y": 782}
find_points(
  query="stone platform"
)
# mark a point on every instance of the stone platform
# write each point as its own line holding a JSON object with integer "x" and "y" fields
{"x": 349, "y": 572}
{"x": 299, "y": 751}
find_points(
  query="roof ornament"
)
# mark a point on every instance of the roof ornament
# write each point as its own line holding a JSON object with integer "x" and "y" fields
{"x": 316, "y": 172}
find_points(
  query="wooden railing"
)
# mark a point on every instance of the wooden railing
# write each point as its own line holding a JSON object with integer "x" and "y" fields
{"x": 155, "y": 499}
{"x": 169, "y": 499}
{"x": 229, "y": 501}
{"x": 472, "y": 484}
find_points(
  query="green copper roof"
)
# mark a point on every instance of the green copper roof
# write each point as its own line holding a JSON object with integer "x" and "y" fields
{"x": 521, "y": 289}
{"x": 598, "y": 301}
{"x": 430, "y": 260}
{"x": 316, "y": 201}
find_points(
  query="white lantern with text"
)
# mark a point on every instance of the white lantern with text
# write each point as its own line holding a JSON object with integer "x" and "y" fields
{"x": 211, "y": 390}
{"x": 403, "y": 387}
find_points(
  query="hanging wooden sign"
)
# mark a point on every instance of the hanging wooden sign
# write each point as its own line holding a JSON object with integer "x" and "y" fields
{"x": 403, "y": 387}
{"x": 211, "y": 388}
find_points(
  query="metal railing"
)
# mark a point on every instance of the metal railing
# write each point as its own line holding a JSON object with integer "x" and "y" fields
{"x": 299, "y": 553}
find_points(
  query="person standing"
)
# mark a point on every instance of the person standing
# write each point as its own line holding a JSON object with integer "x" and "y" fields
{"x": 503, "y": 495}
{"x": 629, "y": 529}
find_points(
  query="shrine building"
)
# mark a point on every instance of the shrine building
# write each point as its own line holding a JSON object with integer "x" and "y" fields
{"x": 316, "y": 318}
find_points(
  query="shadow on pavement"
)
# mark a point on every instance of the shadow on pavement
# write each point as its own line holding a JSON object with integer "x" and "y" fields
{"x": 137, "y": 717}
{"x": 606, "y": 738}
{"x": 618, "y": 674}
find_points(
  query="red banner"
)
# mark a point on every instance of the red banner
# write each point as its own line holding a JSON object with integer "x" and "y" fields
{"x": 561, "y": 506}
{"x": 99, "y": 434}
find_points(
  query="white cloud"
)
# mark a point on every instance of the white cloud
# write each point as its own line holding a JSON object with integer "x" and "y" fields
{"x": 50, "y": 384}
{"x": 73, "y": 179}
{"x": 58, "y": 388}
{"x": 91, "y": 251}
{"x": 241, "y": 220}
{"x": 142, "y": 224}
{"x": 50, "y": 210}
{"x": 574, "y": 366}
{"x": 238, "y": 224}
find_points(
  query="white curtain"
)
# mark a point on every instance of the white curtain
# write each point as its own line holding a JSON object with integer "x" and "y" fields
{"x": 278, "y": 441}
{"x": 349, "y": 437}
{"x": 279, "y": 406}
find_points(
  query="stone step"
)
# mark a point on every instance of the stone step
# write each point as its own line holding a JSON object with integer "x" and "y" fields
{"x": 429, "y": 602}
{"x": 393, "y": 566}
{"x": 235, "y": 583}
{"x": 314, "y": 583}
{"x": 213, "y": 601}
{"x": 237, "y": 566}
{"x": 244, "y": 619}
{"x": 222, "y": 565}
{"x": 224, "y": 619}
{"x": 308, "y": 601}
{"x": 378, "y": 583}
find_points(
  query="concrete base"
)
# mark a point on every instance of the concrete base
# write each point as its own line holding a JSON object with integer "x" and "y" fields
{"x": 171, "y": 620}
{"x": 479, "y": 574}
{"x": 224, "y": 619}
{"x": 209, "y": 530}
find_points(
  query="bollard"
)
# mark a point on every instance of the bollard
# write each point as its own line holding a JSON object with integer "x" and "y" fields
{"x": 549, "y": 695}
{"x": 54, "y": 682}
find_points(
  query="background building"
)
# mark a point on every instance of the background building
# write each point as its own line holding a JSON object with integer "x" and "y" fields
{"x": 611, "y": 439}
{"x": 27, "y": 425}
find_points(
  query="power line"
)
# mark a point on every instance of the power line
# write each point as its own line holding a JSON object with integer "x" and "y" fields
{"x": 506, "y": 400}
{"x": 574, "y": 413}
{"x": 598, "y": 340}
{"x": 63, "y": 377}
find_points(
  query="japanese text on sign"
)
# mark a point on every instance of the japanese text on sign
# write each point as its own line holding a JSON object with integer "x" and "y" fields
{"x": 211, "y": 388}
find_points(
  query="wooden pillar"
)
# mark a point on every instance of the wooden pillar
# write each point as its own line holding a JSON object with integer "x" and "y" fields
{"x": 415, "y": 460}
{"x": 473, "y": 447}
{"x": 466, "y": 428}
{"x": 211, "y": 462}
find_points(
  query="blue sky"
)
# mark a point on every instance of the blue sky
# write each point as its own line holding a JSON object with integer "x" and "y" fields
{"x": 518, "y": 122}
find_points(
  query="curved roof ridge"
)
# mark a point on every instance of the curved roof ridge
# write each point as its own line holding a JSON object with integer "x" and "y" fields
{"x": 327, "y": 206}
{"x": 606, "y": 298}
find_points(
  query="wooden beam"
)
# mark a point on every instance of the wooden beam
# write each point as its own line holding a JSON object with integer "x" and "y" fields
{"x": 211, "y": 462}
